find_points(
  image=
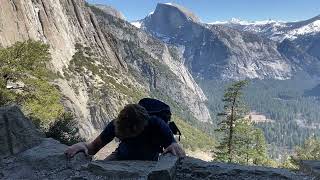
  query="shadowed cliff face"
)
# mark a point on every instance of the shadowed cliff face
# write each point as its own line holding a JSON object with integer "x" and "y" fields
{"x": 122, "y": 64}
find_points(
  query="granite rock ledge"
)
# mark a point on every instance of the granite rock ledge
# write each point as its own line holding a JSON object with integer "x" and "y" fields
{"x": 26, "y": 154}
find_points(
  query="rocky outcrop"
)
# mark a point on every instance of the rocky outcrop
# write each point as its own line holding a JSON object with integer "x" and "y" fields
{"x": 311, "y": 167}
{"x": 164, "y": 169}
{"x": 47, "y": 161}
{"x": 31, "y": 156}
{"x": 16, "y": 132}
{"x": 196, "y": 169}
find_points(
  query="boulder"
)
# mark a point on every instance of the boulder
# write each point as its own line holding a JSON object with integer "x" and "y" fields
{"x": 17, "y": 133}
{"x": 45, "y": 161}
{"x": 165, "y": 168}
{"x": 120, "y": 169}
{"x": 311, "y": 167}
{"x": 50, "y": 155}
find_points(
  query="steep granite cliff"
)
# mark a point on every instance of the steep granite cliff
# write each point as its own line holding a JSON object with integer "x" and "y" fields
{"x": 103, "y": 63}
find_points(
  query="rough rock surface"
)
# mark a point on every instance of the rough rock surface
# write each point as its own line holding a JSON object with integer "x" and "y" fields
{"x": 156, "y": 63}
{"x": 193, "y": 169}
{"x": 47, "y": 161}
{"x": 129, "y": 73}
{"x": 311, "y": 167}
{"x": 217, "y": 52}
{"x": 16, "y": 132}
{"x": 236, "y": 51}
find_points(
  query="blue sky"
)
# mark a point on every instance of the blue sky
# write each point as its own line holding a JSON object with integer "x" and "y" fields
{"x": 219, "y": 10}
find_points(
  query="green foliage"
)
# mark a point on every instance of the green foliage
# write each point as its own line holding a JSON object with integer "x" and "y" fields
{"x": 289, "y": 163}
{"x": 6, "y": 96}
{"x": 249, "y": 145}
{"x": 84, "y": 63}
{"x": 193, "y": 138}
{"x": 42, "y": 101}
{"x": 310, "y": 150}
{"x": 284, "y": 101}
{"x": 260, "y": 154}
{"x": 26, "y": 63}
{"x": 244, "y": 142}
{"x": 65, "y": 130}
{"x": 241, "y": 141}
{"x": 233, "y": 111}
{"x": 24, "y": 58}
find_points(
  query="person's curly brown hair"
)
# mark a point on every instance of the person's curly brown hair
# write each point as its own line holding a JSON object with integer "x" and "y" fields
{"x": 131, "y": 121}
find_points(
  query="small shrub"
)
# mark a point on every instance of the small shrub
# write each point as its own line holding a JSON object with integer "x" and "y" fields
{"x": 65, "y": 130}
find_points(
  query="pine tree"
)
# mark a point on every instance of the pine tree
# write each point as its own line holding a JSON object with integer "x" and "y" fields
{"x": 249, "y": 144}
{"x": 234, "y": 110}
{"x": 244, "y": 141}
{"x": 260, "y": 148}
{"x": 310, "y": 150}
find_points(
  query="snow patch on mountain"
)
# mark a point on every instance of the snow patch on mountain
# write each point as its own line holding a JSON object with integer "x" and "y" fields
{"x": 274, "y": 29}
{"x": 137, "y": 24}
{"x": 311, "y": 28}
{"x": 245, "y": 22}
{"x": 168, "y": 3}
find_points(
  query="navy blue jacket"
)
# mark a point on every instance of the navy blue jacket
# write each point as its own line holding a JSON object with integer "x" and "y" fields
{"x": 146, "y": 146}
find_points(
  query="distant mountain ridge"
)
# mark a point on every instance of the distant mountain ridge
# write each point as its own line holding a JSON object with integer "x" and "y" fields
{"x": 235, "y": 49}
{"x": 215, "y": 51}
{"x": 276, "y": 30}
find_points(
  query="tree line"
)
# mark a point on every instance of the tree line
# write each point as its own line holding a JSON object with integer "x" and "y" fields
{"x": 241, "y": 141}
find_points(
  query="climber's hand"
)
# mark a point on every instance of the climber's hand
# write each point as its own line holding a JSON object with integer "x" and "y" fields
{"x": 74, "y": 149}
{"x": 175, "y": 149}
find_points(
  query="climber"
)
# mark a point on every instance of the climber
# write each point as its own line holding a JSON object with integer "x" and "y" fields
{"x": 142, "y": 137}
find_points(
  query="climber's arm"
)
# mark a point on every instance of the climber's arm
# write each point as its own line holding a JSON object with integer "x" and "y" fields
{"x": 93, "y": 147}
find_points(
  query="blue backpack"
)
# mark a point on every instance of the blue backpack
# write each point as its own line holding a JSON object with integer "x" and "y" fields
{"x": 162, "y": 110}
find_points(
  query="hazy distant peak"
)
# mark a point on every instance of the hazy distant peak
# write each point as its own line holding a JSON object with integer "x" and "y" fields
{"x": 175, "y": 7}
{"x": 110, "y": 10}
{"x": 245, "y": 22}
